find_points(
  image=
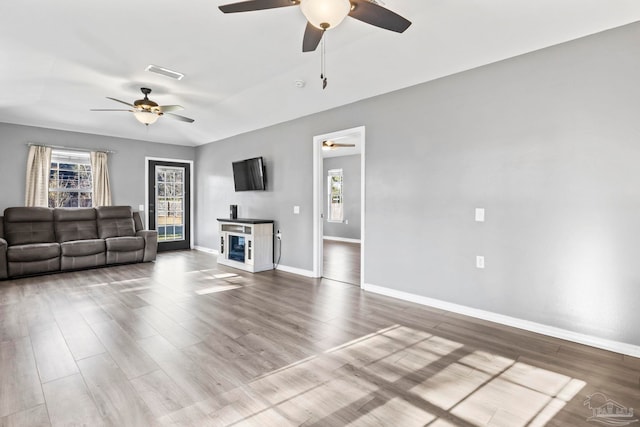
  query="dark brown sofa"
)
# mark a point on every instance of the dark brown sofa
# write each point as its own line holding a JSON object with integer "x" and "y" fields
{"x": 42, "y": 240}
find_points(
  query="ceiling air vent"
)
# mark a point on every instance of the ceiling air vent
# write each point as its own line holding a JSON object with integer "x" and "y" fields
{"x": 165, "y": 72}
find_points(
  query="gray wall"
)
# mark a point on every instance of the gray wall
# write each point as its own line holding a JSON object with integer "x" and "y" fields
{"x": 351, "y": 191}
{"x": 547, "y": 143}
{"x": 126, "y": 166}
{"x": 289, "y": 165}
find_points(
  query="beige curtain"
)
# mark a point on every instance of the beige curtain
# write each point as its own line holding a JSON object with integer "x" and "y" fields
{"x": 101, "y": 186}
{"x": 38, "y": 170}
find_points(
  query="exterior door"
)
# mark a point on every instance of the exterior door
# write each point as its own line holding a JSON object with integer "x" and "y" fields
{"x": 169, "y": 204}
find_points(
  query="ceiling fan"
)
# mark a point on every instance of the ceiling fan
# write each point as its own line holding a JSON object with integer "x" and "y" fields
{"x": 146, "y": 111}
{"x": 323, "y": 15}
{"x": 332, "y": 145}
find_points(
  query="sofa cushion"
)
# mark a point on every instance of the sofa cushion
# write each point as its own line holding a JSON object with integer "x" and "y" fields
{"x": 83, "y": 247}
{"x": 75, "y": 224}
{"x": 33, "y": 267}
{"x": 33, "y": 252}
{"x": 115, "y": 221}
{"x": 24, "y": 225}
{"x": 122, "y": 250}
{"x": 124, "y": 244}
{"x": 137, "y": 221}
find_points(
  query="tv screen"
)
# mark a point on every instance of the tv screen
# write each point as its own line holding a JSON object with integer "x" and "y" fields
{"x": 248, "y": 175}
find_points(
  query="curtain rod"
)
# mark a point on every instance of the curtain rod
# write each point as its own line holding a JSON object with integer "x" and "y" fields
{"x": 71, "y": 148}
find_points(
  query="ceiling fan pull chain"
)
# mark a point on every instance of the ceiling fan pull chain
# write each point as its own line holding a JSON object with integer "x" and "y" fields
{"x": 323, "y": 62}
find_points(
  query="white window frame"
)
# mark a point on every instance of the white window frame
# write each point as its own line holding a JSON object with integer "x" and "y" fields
{"x": 333, "y": 216}
{"x": 75, "y": 158}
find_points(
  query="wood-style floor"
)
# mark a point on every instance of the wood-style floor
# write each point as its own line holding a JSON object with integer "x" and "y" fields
{"x": 341, "y": 261}
{"x": 184, "y": 342}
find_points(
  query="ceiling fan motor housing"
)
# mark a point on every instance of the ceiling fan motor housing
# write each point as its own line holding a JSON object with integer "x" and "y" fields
{"x": 146, "y": 104}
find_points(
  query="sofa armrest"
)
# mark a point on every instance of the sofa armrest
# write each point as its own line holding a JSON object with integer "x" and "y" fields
{"x": 150, "y": 244}
{"x": 4, "y": 271}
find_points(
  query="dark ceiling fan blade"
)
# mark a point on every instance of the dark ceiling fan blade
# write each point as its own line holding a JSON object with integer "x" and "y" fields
{"x": 377, "y": 15}
{"x": 168, "y": 108}
{"x": 248, "y": 6}
{"x": 312, "y": 37}
{"x": 181, "y": 118}
{"x": 108, "y": 109}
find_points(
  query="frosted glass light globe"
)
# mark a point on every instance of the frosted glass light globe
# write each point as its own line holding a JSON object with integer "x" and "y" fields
{"x": 146, "y": 117}
{"x": 325, "y": 14}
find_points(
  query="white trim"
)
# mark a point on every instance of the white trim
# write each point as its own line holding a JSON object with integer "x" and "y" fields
{"x": 552, "y": 331}
{"x": 191, "y": 197}
{"x": 293, "y": 270}
{"x": 207, "y": 250}
{"x": 341, "y": 239}
{"x": 318, "y": 205}
{"x": 363, "y": 203}
{"x": 318, "y": 198}
{"x": 298, "y": 271}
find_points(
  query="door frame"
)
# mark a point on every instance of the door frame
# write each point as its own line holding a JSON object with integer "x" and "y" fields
{"x": 319, "y": 199}
{"x": 191, "y": 191}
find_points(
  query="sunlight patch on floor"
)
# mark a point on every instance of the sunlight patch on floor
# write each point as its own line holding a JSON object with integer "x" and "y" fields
{"x": 434, "y": 378}
{"x": 217, "y": 288}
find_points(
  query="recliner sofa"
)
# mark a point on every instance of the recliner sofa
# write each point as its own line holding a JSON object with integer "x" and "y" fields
{"x": 42, "y": 240}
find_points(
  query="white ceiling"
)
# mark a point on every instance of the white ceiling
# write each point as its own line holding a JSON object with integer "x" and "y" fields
{"x": 60, "y": 58}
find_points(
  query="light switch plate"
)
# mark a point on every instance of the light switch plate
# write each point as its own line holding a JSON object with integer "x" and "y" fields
{"x": 296, "y": 210}
{"x": 480, "y": 261}
{"x": 141, "y": 208}
{"x": 480, "y": 214}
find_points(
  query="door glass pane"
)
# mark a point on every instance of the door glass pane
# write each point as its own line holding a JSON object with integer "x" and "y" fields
{"x": 170, "y": 203}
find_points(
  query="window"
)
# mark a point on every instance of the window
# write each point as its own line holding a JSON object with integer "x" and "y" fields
{"x": 70, "y": 182}
{"x": 170, "y": 203}
{"x": 334, "y": 185}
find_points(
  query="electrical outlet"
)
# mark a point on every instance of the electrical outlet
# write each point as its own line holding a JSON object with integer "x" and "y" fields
{"x": 480, "y": 261}
{"x": 278, "y": 235}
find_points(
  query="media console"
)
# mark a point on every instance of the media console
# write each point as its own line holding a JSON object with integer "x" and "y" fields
{"x": 246, "y": 244}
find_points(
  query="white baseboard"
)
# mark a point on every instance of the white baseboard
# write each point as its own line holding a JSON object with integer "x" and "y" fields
{"x": 341, "y": 239}
{"x": 298, "y": 271}
{"x": 605, "y": 344}
{"x": 205, "y": 249}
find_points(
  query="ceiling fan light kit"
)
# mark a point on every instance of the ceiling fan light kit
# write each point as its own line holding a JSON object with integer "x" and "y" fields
{"x": 325, "y": 14}
{"x": 146, "y": 117}
{"x": 147, "y": 111}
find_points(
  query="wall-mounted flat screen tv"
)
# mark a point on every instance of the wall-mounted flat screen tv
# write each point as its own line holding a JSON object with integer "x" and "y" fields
{"x": 248, "y": 175}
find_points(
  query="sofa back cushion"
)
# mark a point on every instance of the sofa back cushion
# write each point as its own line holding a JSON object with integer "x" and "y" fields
{"x": 75, "y": 224}
{"x": 137, "y": 221}
{"x": 115, "y": 221}
{"x": 24, "y": 225}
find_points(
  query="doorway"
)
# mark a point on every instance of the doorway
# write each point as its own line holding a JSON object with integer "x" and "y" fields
{"x": 339, "y": 205}
{"x": 169, "y": 203}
